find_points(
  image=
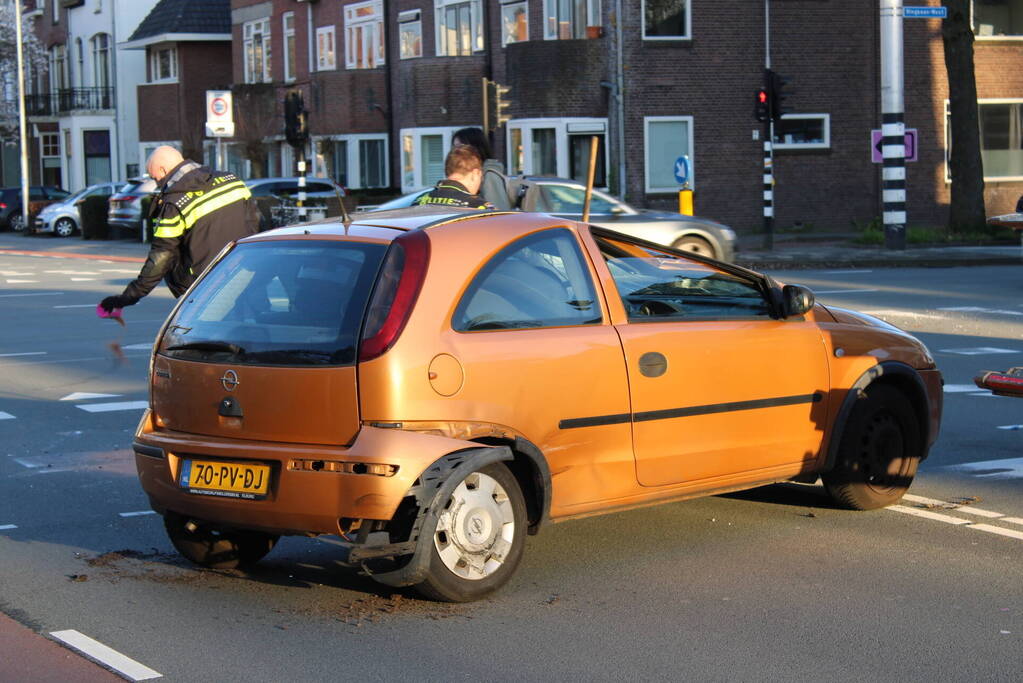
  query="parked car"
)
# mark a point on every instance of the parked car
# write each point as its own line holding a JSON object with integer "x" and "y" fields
{"x": 565, "y": 197}
{"x": 287, "y": 188}
{"x": 277, "y": 199}
{"x": 63, "y": 218}
{"x": 430, "y": 384}
{"x": 126, "y": 204}
{"x": 11, "y": 216}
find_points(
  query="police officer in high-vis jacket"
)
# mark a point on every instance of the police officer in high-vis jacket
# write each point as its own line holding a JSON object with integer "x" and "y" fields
{"x": 196, "y": 211}
{"x": 464, "y": 170}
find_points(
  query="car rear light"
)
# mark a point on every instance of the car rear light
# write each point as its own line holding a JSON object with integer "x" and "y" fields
{"x": 3, "y": 205}
{"x": 1009, "y": 383}
{"x": 397, "y": 288}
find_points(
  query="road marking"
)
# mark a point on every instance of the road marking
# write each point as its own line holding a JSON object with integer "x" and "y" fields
{"x": 909, "y": 314}
{"x": 8, "y": 527}
{"x": 72, "y": 272}
{"x": 82, "y": 279}
{"x": 72, "y": 360}
{"x": 119, "y": 270}
{"x": 1011, "y": 533}
{"x": 25, "y": 463}
{"x": 917, "y": 512}
{"x": 34, "y": 294}
{"x": 978, "y": 351}
{"x": 6, "y": 416}
{"x": 1008, "y": 468}
{"x": 23, "y": 353}
{"x": 76, "y": 306}
{"x": 1011, "y": 428}
{"x": 138, "y": 347}
{"x": 978, "y": 309}
{"x": 111, "y": 407}
{"x": 137, "y": 514}
{"x": 1013, "y": 520}
{"x": 82, "y": 395}
{"x": 970, "y": 510}
{"x": 16, "y": 273}
{"x": 843, "y": 291}
{"x": 21, "y": 282}
{"x": 97, "y": 651}
{"x": 960, "y": 388}
{"x": 845, "y": 272}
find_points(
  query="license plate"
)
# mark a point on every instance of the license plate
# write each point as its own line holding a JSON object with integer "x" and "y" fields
{"x": 226, "y": 479}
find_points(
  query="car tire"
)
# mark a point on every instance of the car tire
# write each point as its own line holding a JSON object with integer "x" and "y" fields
{"x": 64, "y": 227}
{"x": 879, "y": 452}
{"x": 216, "y": 548}
{"x": 16, "y": 222}
{"x": 479, "y": 537}
{"x": 696, "y": 245}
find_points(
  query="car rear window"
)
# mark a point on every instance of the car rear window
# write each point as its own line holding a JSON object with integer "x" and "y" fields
{"x": 278, "y": 303}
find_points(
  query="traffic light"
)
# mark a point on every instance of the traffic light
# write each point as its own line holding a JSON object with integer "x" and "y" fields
{"x": 501, "y": 104}
{"x": 296, "y": 128}
{"x": 761, "y": 107}
{"x": 776, "y": 93}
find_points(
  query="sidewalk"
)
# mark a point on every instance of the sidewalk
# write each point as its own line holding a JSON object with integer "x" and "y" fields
{"x": 790, "y": 252}
{"x": 27, "y": 656}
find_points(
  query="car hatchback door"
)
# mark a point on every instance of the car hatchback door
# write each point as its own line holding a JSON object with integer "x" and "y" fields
{"x": 718, "y": 386}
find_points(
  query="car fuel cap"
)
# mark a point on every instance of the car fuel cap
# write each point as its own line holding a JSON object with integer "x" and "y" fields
{"x": 446, "y": 375}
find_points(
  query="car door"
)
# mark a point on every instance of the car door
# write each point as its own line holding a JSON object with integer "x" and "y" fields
{"x": 719, "y": 388}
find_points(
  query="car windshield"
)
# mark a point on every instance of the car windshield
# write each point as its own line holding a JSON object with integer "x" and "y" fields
{"x": 278, "y": 303}
{"x": 569, "y": 199}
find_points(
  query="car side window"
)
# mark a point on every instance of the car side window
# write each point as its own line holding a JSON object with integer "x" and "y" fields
{"x": 562, "y": 199}
{"x": 540, "y": 280}
{"x": 657, "y": 285}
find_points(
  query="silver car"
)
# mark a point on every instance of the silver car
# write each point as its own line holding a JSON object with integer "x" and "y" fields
{"x": 63, "y": 217}
{"x": 564, "y": 197}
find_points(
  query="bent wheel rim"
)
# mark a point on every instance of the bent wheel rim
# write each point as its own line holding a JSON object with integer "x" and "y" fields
{"x": 476, "y": 529}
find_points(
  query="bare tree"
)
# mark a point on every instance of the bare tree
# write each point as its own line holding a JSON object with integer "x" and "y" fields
{"x": 255, "y": 120}
{"x": 966, "y": 209}
{"x": 35, "y": 60}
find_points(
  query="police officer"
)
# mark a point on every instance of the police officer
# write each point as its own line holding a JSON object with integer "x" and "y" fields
{"x": 464, "y": 170}
{"x": 196, "y": 211}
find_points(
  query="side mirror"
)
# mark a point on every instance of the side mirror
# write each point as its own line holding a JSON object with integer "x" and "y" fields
{"x": 797, "y": 300}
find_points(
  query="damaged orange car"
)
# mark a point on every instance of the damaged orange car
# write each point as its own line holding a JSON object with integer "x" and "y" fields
{"x": 431, "y": 385}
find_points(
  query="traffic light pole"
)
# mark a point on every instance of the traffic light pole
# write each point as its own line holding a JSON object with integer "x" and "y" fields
{"x": 893, "y": 126}
{"x": 768, "y": 138}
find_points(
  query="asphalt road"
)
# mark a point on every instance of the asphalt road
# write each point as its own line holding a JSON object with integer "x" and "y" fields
{"x": 770, "y": 584}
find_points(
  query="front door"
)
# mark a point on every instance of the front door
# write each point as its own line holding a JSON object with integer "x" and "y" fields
{"x": 718, "y": 387}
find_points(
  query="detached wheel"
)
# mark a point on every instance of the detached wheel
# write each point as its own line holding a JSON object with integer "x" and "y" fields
{"x": 695, "y": 244}
{"x": 64, "y": 227}
{"x": 479, "y": 538}
{"x": 214, "y": 548}
{"x": 16, "y": 222}
{"x": 879, "y": 452}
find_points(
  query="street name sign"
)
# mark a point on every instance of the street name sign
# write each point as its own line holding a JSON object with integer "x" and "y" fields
{"x": 925, "y": 12}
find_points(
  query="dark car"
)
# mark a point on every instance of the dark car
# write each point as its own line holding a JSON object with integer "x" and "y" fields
{"x": 277, "y": 199}
{"x": 126, "y": 204}
{"x": 38, "y": 196}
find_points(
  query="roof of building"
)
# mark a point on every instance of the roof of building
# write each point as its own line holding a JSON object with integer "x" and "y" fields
{"x": 174, "y": 19}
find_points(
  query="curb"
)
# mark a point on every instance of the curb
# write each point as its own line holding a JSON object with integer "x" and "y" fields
{"x": 72, "y": 255}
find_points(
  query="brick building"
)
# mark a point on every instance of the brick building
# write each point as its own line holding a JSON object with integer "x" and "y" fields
{"x": 386, "y": 82}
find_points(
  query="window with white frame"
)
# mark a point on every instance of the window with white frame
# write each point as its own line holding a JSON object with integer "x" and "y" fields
{"x": 288, "y": 31}
{"x": 100, "y": 44}
{"x": 998, "y": 18}
{"x": 459, "y": 27}
{"x": 364, "y": 35}
{"x": 422, "y": 156}
{"x": 410, "y": 34}
{"x": 665, "y": 19}
{"x": 514, "y": 21}
{"x": 1001, "y": 138}
{"x": 163, "y": 64}
{"x": 80, "y": 50}
{"x": 354, "y": 161}
{"x": 58, "y": 68}
{"x": 326, "y": 53}
{"x": 50, "y": 144}
{"x": 803, "y": 131}
{"x": 256, "y": 46}
{"x": 665, "y": 139}
{"x": 567, "y": 19}
{"x": 557, "y": 147}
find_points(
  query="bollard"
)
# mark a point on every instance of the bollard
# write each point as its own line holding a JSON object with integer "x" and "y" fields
{"x": 685, "y": 202}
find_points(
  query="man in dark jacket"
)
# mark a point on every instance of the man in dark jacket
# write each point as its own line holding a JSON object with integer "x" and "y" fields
{"x": 196, "y": 212}
{"x": 464, "y": 170}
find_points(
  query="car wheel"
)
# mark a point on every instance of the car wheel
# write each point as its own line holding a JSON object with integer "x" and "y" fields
{"x": 479, "y": 538}
{"x": 695, "y": 244}
{"x": 216, "y": 548}
{"x": 64, "y": 227}
{"x": 879, "y": 452}
{"x": 16, "y": 222}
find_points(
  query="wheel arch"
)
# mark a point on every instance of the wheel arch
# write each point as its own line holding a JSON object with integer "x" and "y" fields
{"x": 533, "y": 474}
{"x": 705, "y": 235}
{"x": 897, "y": 375}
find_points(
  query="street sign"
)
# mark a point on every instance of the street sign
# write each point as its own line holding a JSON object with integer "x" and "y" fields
{"x": 875, "y": 145}
{"x": 219, "y": 114}
{"x": 682, "y": 170}
{"x": 925, "y": 12}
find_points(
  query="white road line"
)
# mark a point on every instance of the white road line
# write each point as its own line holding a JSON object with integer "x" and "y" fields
{"x": 72, "y": 272}
{"x": 845, "y": 272}
{"x": 6, "y": 416}
{"x": 1011, "y": 428}
{"x": 978, "y": 309}
{"x": 1011, "y": 533}
{"x": 978, "y": 351}
{"x": 23, "y": 353}
{"x": 22, "y": 282}
{"x": 33, "y": 294}
{"x": 970, "y": 510}
{"x": 8, "y": 527}
{"x": 148, "y": 346}
{"x": 119, "y": 270}
{"x": 1012, "y": 520}
{"x": 891, "y": 312}
{"x": 843, "y": 291}
{"x": 16, "y": 273}
{"x": 137, "y": 514}
{"x": 97, "y": 651}
{"x": 83, "y": 395}
{"x": 26, "y": 463}
{"x": 76, "y": 306}
{"x": 924, "y": 501}
{"x": 82, "y": 279}
{"x": 926, "y": 514}
{"x": 960, "y": 388}
{"x": 111, "y": 407}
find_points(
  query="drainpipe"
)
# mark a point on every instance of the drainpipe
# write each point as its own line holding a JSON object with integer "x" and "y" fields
{"x": 390, "y": 62}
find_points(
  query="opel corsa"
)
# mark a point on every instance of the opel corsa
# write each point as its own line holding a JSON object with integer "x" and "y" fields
{"x": 432, "y": 385}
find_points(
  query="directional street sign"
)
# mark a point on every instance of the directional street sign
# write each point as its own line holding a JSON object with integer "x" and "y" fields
{"x": 682, "y": 170}
{"x": 875, "y": 145}
{"x": 925, "y": 12}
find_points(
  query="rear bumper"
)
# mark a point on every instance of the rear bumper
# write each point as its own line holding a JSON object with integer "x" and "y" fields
{"x": 301, "y": 500}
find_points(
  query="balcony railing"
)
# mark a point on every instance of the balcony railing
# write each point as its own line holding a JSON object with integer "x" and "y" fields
{"x": 68, "y": 100}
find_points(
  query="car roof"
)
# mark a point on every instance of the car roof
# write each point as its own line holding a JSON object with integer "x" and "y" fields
{"x": 291, "y": 179}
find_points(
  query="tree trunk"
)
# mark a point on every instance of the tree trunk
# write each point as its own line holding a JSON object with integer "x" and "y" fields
{"x": 966, "y": 209}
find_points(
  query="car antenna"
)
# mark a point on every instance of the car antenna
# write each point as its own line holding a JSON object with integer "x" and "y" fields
{"x": 346, "y": 220}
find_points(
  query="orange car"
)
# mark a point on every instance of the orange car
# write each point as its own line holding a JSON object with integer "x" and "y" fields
{"x": 430, "y": 385}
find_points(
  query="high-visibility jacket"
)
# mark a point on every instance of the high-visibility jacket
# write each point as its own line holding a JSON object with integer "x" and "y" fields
{"x": 449, "y": 192}
{"x": 196, "y": 212}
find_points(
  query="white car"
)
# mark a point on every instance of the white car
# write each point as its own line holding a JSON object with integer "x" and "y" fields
{"x": 63, "y": 218}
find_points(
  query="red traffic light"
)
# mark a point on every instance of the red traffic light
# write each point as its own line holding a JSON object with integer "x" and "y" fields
{"x": 762, "y": 97}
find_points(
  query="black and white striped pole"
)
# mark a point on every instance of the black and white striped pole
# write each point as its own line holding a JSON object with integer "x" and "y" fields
{"x": 768, "y": 135}
{"x": 893, "y": 127}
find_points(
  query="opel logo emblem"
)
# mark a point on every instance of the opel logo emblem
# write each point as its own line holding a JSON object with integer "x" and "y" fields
{"x": 477, "y": 525}
{"x": 230, "y": 380}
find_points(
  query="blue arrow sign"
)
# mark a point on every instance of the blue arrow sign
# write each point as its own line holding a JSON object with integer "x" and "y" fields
{"x": 682, "y": 170}
{"x": 925, "y": 12}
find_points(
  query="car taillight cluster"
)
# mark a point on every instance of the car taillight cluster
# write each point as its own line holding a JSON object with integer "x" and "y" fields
{"x": 3, "y": 205}
{"x": 397, "y": 288}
